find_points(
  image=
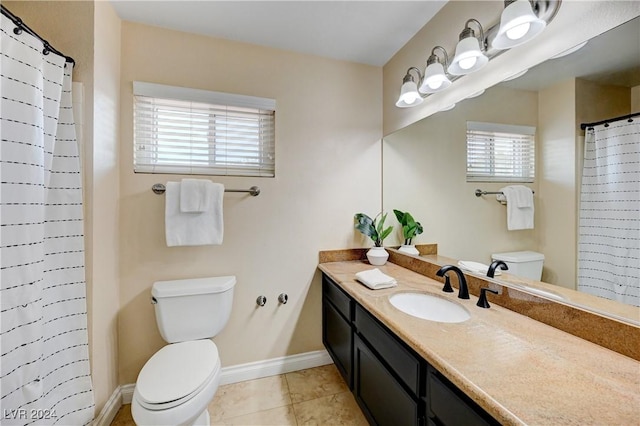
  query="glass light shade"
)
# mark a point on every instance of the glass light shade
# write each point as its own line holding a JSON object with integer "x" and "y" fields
{"x": 518, "y": 25}
{"x": 435, "y": 79}
{"x": 409, "y": 95}
{"x": 571, "y": 50}
{"x": 469, "y": 57}
{"x": 516, "y": 75}
{"x": 475, "y": 94}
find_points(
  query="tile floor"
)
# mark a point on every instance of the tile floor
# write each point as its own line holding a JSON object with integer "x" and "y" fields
{"x": 316, "y": 396}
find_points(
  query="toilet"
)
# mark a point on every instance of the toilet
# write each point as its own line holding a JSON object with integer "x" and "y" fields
{"x": 526, "y": 264}
{"x": 180, "y": 380}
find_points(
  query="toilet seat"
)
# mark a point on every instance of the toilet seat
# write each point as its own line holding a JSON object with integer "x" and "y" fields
{"x": 177, "y": 373}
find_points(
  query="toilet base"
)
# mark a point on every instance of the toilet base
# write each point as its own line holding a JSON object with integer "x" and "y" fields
{"x": 203, "y": 419}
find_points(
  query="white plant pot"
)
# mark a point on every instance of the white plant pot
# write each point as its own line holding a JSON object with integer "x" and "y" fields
{"x": 409, "y": 249}
{"x": 377, "y": 256}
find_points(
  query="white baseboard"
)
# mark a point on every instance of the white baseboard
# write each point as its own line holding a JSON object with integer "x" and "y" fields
{"x": 233, "y": 374}
{"x": 110, "y": 409}
{"x": 127, "y": 393}
{"x": 274, "y": 366}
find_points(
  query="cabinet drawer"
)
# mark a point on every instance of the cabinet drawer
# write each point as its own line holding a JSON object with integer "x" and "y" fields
{"x": 383, "y": 400}
{"x": 404, "y": 363}
{"x": 449, "y": 406}
{"x": 337, "y": 296}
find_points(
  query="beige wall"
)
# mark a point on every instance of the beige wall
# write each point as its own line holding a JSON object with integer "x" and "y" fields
{"x": 595, "y": 102}
{"x": 104, "y": 188}
{"x": 425, "y": 173}
{"x": 328, "y": 130}
{"x": 557, "y": 182}
{"x": 575, "y": 22}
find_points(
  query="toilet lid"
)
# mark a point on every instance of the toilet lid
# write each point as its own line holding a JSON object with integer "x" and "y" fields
{"x": 176, "y": 371}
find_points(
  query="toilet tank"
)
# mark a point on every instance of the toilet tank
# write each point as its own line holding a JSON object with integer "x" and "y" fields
{"x": 192, "y": 309}
{"x": 527, "y": 264}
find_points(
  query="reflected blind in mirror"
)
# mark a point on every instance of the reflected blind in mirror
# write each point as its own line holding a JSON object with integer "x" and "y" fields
{"x": 500, "y": 152}
{"x": 190, "y": 131}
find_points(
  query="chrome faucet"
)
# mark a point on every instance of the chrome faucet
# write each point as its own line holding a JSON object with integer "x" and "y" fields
{"x": 463, "y": 290}
{"x": 492, "y": 268}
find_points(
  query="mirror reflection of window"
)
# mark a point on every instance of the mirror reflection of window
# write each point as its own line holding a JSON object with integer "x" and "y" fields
{"x": 500, "y": 153}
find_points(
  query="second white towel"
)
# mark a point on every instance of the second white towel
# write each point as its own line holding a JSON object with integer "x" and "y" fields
{"x": 193, "y": 229}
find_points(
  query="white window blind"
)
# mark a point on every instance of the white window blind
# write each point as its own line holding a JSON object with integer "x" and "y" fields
{"x": 500, "y": 152}
{"x": 190, "y": 131}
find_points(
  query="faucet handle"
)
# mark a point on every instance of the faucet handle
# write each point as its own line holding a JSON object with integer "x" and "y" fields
{"x": 482, "y": 300}
{"x": 447, "y": 285}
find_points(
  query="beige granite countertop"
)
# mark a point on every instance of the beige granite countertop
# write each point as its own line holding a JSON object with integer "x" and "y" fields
{"x": 519, "y": 370}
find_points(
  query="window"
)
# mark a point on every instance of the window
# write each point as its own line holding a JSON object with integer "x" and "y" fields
{"x": 500, "y": 152}
{"x": 190, "y": 131}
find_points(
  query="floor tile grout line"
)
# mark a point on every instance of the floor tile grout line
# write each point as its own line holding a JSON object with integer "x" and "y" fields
{"x": 295, "y": 417}
{"x": 293, "y": 409}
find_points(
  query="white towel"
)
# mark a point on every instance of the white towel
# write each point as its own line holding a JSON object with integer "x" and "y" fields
{"x": 193, "y": 229}
{"x": 477, "y": 267}
{"x": 375, "y": 279}
{"x": 519, "y": 207}
{"x": 196, "y": 195}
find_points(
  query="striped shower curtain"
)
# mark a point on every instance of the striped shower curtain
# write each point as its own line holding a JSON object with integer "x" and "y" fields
{"x": 44, "y": 360}
{"x": 609, "y": 225}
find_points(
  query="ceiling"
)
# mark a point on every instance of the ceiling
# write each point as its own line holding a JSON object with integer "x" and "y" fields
{"x": 368, "y": 32}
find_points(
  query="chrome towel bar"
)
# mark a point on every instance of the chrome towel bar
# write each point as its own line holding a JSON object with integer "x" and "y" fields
{"x": 480, "y": 193}
{"x": 159, "y": 188}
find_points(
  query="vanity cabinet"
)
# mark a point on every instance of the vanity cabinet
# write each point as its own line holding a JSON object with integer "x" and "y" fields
{"x": 392, "y": 384}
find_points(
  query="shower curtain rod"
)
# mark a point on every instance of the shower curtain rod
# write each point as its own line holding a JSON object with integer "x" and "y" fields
{"x": 21, "y": 26}
{"x": 611, "y": 120}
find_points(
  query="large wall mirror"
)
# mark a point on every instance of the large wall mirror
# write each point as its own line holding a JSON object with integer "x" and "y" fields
{"x": 424, "y": 164}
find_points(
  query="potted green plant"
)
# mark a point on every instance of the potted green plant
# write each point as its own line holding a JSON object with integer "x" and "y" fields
{"x": 374, "y": 229}
{"x": 410, "y": 228}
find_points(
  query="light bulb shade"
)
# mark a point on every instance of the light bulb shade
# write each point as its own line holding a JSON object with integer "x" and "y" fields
{"x": 516, "y": 75}
{"x": 475, "y": 94}
{"x": 518, "y": 25}
{"x": 469, "y": 57}
{"x": 409, "y": 95}
{"x": 434, "y": 79}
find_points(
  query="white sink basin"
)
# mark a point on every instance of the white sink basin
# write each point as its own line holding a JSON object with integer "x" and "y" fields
{"x": 429, "y": 307}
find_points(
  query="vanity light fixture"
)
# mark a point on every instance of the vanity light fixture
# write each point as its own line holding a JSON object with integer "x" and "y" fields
{"x": 448, "y": 108}
{"x": 518, "y": 25}
{"x": 521, "y": 20}
{"x": 435, "y": 79}
{"x": 409, "y": 95}
{"x": 570, "y": 50}
{"x": 469, "y": 51}
{"x": 516, "y": 75}
{"x": 475, "y": 94}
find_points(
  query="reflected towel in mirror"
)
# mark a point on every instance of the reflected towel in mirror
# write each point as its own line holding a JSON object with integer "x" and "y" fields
{"x": 519, "y": 207}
